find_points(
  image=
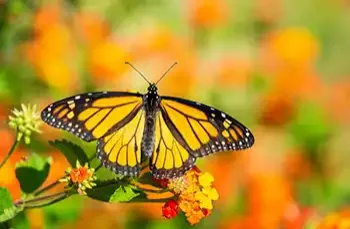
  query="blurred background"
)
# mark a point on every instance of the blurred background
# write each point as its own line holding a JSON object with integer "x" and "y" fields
{"x": 281, "y": 67}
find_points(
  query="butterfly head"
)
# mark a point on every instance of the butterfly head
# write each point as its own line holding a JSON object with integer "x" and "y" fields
{"x": 152, "y": 89}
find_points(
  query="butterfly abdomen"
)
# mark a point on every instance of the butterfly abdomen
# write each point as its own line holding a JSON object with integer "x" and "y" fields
{"x": 148, "y": 138}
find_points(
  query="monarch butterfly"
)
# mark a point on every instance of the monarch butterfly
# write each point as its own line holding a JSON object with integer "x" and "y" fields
{"x": 129, "y": 127}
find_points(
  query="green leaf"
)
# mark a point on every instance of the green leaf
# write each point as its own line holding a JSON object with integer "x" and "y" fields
{"x": 8, "y": 213}
{"x": 103, "y": 189}
{"x": 32, "y": 173}
{"x": 71, "y": 151}
{"x": 123, "y": 194}
{"x": 5, "y": 199}
{"x": 7, "y": 209}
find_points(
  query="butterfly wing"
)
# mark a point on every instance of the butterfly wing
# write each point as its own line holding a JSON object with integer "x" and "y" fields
{"x": 112, "y": 118}
{"x": 120, "y": 151}
{"x": 170, "y": 158}
{"x": 91, "y": 116}
{"x": 199, "y": 130}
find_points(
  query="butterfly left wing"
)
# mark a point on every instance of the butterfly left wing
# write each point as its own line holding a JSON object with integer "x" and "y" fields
{"x": 120, "y": 151}
{"x": 115, "y": 119}
{"x": 91, "y": 116}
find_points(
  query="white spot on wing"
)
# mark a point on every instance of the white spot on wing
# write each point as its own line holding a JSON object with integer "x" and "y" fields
{"x": 223, "y": 115}
{"x": 77, "y": 97}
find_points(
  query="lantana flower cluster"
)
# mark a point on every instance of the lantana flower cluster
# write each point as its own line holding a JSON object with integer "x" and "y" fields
{"x": 82, "y": 177}
{"x": 194, "y": 195}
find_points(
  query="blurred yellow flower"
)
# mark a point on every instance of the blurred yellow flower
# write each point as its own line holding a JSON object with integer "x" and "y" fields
{"x": 295, "y": 45}
{"x": 339, "y": 220}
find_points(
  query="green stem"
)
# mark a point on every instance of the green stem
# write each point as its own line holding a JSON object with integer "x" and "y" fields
{"x": 37, "y": 193}
{"x": 44, "y": 200}
{"x": 12, "y": 150}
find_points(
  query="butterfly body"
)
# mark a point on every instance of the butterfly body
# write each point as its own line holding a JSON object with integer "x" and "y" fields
{"x": 151, "y": 102}
{"x": 129, "y": 127}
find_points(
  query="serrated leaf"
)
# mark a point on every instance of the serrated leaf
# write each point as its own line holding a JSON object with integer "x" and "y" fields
{"x": 71, "y": 151}
{"x": 32, "y": 173}
{"x": 8, "y": 213}
{"x": 123, "y": 194}
{"x": 7, "y": 209}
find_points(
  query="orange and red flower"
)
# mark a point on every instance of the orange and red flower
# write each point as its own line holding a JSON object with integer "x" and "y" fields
{"x": 82, "y": 177}
{"x": 195, "y": 196}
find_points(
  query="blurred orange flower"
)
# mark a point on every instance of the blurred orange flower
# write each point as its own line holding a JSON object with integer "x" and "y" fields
{"x": 338, "y": 101}
{"x": 91, "y": 28}
{"x": 160, "y": 48}
{"x": 208, "y": 13}
{"x": 51, "y": 52}
{"x": 287, "y": 58}
{"x": 47, "y": 16}
{"x": 277, "y": 109}
{"x": 269, "y": 196}
{"x": 300, "y": 217}
{"x": 296, "y": 165}
{"x": 233, "y": 71}
{"x": 268, "y": 11}
{"x": 106, "y": 61}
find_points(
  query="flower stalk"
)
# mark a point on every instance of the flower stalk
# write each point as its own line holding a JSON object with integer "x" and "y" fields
{"x": 9, "y": 154}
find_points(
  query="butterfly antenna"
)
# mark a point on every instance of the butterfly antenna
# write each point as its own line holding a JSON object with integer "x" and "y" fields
{"x": 128, "y": 63}
{"x": 166, "y": 72}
